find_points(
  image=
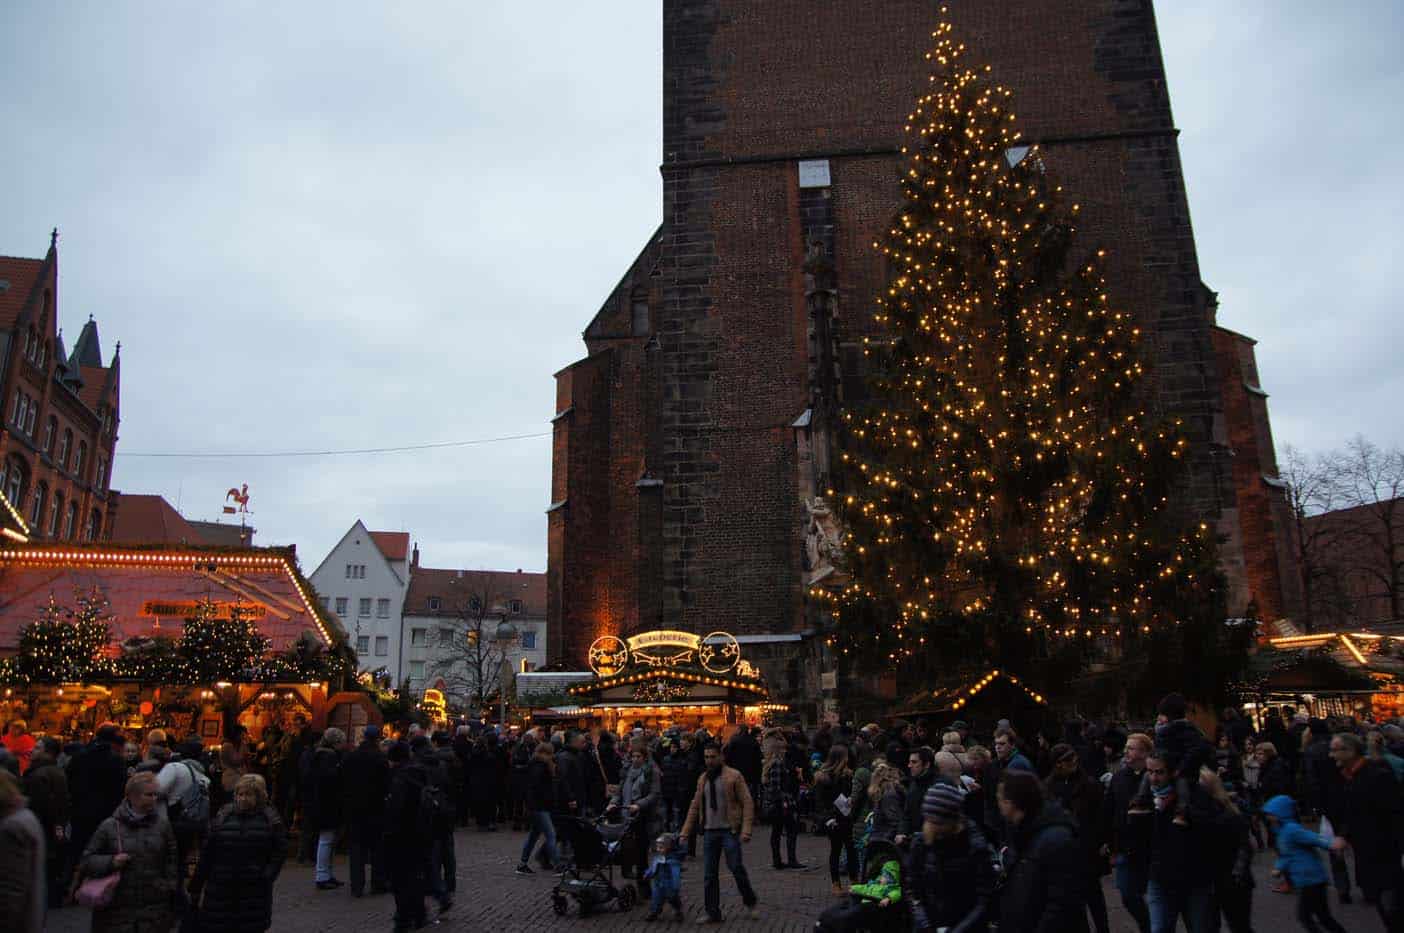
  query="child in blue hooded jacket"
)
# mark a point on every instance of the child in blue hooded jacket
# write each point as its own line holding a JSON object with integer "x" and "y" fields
{"x": 1299, "y": 862}
{"x": 665, "y": 875}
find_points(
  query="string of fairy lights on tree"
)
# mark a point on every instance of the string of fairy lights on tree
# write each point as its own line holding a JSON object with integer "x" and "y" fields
{"x": 1006, "y": 472}
{"x": 72, "y": 645}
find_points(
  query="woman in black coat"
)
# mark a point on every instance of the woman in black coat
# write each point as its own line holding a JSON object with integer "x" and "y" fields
{"x": 240, "y": 861}
{"x": 485, "y": 782}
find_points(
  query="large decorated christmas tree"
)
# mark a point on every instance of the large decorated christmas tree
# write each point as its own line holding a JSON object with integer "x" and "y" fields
{"x": 1009, "y": 488}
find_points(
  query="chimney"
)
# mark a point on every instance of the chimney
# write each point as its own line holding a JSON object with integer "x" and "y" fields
{"x": 414, "y": 558}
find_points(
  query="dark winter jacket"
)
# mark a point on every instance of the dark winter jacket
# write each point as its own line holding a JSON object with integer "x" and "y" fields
{"x": 678, "y": 779}
{"x": 145, "y": 897}
{"x": 828, "y": 788}
{"x": 540, "y": 787}
{"x": 1183, "y": 857}
{"x": 916, "y": 792}
{"x": 327, "y": 805}
{"x": 951, "y": 883}
{"x": 1276, "y": 778}
{"x": 403, "y": 834}
{"x": 239, "y": 863}
{"x": 1320, "y": 779}
{"x": 1186, "y": 744}
{"x": 454, "y": 774}
{"x": 97, "y": 780}
{"x": 744, "y": 754}
{"x": 366, "y": 775}
{"x": 1081, "y": 797}
{"x": 571, "y": 784}
{"x": 46, "y": 786}
{"x": 1122, "y": 836}
{"x": 484, "y": 777}
{"x": 1372, "y": 821}
{"x": 889, "y": 815}
{"x": 1045, "y": 880}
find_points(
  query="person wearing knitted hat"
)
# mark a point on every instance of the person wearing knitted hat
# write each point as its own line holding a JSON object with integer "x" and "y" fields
{"x": 950, "y": 878}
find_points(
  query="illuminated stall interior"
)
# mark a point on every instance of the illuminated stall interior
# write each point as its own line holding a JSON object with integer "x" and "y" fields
{"x": 667, "y": 678}
{"x": 1328, "y": 674}
{"x": 145, "y": 595}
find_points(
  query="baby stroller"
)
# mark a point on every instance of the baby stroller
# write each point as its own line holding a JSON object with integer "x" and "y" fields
{"x": 590, "y": 880}
{"x": 862, "y": 912}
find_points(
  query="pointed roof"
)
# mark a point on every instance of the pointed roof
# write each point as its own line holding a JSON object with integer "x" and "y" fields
{"x": 21, "y": 276}
{"x": 60, "y": 354}
{"x": 87, "y": 351}
{"x": 393, "y": 544}
{"x": 152, "y": 520}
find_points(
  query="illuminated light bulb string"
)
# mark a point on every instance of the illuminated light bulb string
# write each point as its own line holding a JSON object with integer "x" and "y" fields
{"x": 1006, "y": 474}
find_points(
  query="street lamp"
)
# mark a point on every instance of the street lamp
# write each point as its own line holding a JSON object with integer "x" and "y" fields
{"x": 505, "y": 638}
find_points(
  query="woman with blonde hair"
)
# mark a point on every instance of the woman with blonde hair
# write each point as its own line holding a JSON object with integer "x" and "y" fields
{"x": 888, "y": 802}
{"x": 240, "y": 861}
{"x": 136, "y": 841}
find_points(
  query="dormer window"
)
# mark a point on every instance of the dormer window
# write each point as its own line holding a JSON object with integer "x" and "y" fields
{"x": 433, "y": 604}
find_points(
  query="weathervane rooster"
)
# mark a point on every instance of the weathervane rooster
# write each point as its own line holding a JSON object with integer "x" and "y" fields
{"x": 241, "y": 499}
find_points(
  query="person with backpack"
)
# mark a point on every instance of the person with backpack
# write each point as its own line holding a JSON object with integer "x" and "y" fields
{"x": 232, "y": 891}
{"x": 409, "y": 832}
{"x": 183, "y": 792}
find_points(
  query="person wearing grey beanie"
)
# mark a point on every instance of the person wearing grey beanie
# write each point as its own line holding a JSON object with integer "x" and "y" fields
{"x": 950, "y": 878}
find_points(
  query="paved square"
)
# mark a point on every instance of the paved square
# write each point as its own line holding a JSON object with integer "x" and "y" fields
{"x": 491, "y": 897}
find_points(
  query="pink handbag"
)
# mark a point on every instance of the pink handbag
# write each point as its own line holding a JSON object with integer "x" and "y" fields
{"x": 98, "y": 892}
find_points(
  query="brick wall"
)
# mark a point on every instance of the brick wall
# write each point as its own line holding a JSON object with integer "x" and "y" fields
{"x": 749, "y": 89}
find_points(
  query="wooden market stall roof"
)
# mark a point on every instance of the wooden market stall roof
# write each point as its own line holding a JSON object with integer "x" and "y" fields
{"x": 151, "y": 590}
{"x": 12, "y": 526}
{"x": 955, "y": 695}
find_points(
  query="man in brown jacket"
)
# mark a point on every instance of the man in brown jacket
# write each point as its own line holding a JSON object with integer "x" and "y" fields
{"x": 723, "y": 808}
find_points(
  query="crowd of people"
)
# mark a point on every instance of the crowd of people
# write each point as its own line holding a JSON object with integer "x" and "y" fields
{"x": 929, "y": 826}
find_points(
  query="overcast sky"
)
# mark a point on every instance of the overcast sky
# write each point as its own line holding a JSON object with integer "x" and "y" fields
{"x": 343, "y": 225}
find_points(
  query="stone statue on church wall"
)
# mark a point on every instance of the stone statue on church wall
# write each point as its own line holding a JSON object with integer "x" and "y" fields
{"x": 823, "y": 542}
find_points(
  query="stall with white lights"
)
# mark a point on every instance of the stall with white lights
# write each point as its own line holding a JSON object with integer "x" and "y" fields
{"x": 664, "y": 678}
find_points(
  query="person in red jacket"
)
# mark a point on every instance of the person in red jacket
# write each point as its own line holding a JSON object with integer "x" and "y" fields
{"x": 20, "y": 743}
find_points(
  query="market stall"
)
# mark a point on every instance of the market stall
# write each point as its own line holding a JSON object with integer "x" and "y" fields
{"x": 670, "y": 678}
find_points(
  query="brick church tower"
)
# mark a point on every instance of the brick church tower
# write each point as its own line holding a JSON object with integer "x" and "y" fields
{"x": 689, "y": 439}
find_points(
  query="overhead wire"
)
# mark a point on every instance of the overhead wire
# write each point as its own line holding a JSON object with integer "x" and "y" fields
{"x": 244, "y": 454}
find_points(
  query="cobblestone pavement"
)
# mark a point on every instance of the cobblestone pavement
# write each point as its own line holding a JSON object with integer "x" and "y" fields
{"x": 491, "y": 897}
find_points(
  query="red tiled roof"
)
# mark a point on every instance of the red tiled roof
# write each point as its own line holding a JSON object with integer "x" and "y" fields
{"x": 393, "y": 544}
{"x": 23, "y": 275}
{"x": 152, "y": 520}
{"x": 454, "y": 589}
{"x": 131, "y": 578}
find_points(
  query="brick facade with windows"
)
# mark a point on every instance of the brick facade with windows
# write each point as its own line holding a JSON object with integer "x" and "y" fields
{"x": 679, "y": 460}
{"x": 58, "y": 426}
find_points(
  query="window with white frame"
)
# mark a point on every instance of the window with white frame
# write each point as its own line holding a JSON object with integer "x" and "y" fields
{"x": 326, "y": 603}
{"x": 445, "y": 638}
{"x": 341, "y": 606}
{"x": 417, "y": 638}
{"x": 382, "y": 645}
{"x": 416, "y": 671}
{"x": 433, "y": 604}
{"x": 516, "y": 605}
{"x": 382, "y": 608}
{"x": 529, "y": 640}
{"x": 363, "y": 608}
{"x": 363, "y": 644}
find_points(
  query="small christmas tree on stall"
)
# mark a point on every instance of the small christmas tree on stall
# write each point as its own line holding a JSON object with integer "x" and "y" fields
{"x": 65, "y": 645}
{"x": 1006, "y": 486}
{"x": 222, "y": 649}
